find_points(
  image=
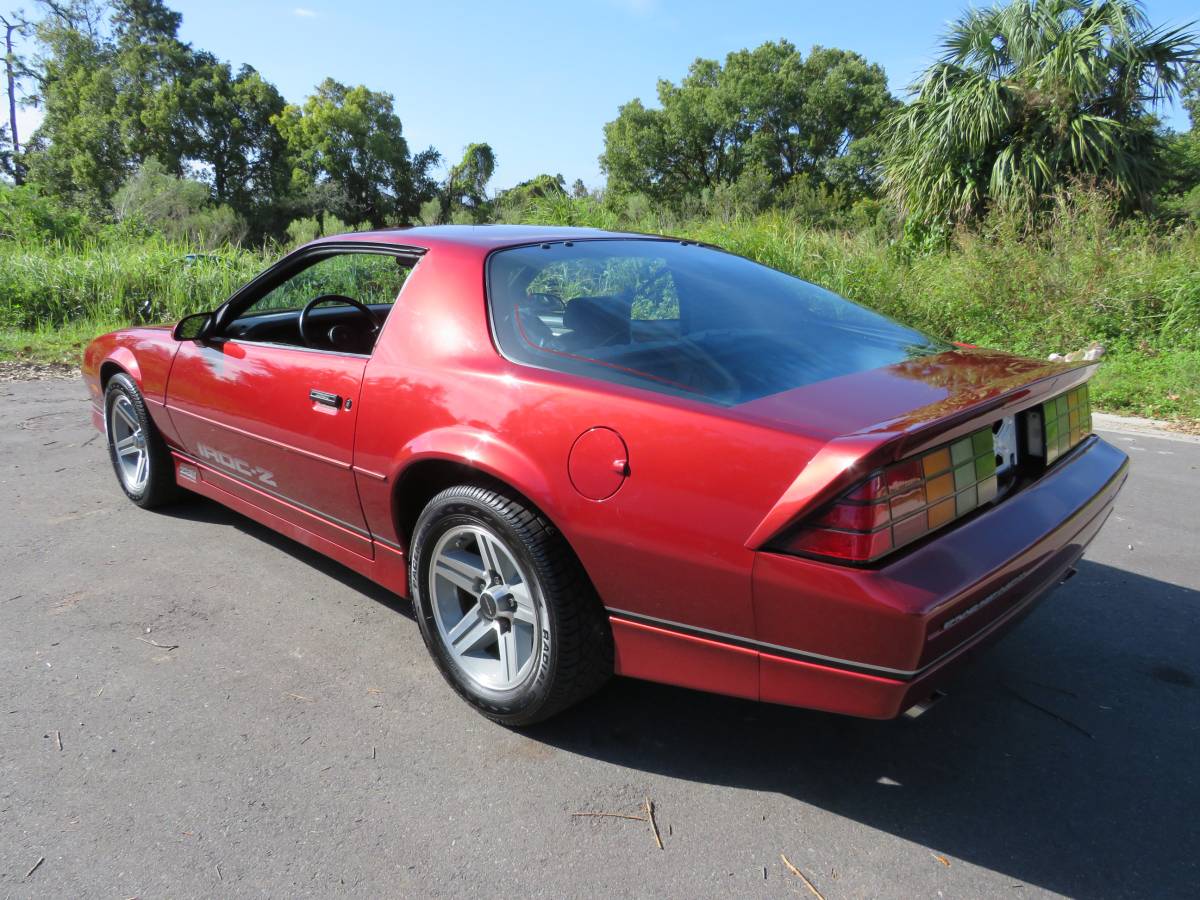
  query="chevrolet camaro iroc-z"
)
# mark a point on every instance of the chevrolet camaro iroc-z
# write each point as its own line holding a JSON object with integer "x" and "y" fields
{"x": 582, "y": 453}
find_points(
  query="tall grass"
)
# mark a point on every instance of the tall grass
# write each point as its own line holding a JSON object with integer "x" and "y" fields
{"x": 48, "y": 285}
{"x": 1086, "y": 278}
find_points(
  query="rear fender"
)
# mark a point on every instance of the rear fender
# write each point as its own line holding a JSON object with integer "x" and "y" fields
{"x": 485, "y": 452}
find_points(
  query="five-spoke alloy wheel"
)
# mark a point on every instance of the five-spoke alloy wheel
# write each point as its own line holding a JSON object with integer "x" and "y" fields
{"x": 505, "y": 607}
{"x": 139, "y": 456}
{"x": 484, "y": 608}
{"x": 129, "y": 441}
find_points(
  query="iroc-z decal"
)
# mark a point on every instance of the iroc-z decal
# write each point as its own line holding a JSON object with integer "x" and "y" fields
{"x": 235, "y": 464}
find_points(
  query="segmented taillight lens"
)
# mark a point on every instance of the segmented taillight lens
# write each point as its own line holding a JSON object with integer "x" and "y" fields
{"x": 902, "y": 503}
{"x": 1066, "y": 420}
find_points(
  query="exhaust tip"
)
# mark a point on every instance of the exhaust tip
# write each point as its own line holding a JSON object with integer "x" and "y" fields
{"x": 1068, "y": 575}
{"x": 923, "y": 706}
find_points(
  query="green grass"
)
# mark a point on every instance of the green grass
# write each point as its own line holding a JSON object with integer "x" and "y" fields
{"x": 54, "y": 285}
{"x": 1163, "y": 386}
{"x": 1133, "y": 289}
{"x": 63, "y": 345}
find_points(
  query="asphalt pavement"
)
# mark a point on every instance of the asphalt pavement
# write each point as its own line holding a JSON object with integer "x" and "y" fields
{"x": 193, "y": 706}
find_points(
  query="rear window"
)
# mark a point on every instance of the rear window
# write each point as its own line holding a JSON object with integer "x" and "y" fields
{"x": 682, "y": 319}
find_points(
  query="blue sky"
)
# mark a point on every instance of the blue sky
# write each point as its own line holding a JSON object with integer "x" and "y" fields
{"x": 538, "y": 80}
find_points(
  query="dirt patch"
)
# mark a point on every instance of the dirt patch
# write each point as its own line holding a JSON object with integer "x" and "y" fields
{"x": 22, "y": 370}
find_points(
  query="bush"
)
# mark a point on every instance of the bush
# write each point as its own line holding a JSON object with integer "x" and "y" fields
{"x": 179, "y": 209}
{"x": 27, "y": 216}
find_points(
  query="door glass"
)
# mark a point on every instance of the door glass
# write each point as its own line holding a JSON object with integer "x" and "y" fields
{"x": 372, "y": 279}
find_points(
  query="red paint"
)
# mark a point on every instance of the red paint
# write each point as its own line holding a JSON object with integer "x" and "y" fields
{"x": 703, "y": 488}
{"x": 598, "y": 463}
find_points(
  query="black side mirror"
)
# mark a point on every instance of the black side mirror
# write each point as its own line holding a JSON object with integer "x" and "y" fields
{"x": 195, "y": 327}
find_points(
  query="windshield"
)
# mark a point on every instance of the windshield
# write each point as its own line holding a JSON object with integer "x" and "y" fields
{"x": 682, "y": 319}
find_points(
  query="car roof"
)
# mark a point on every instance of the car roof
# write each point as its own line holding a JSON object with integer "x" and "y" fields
{"x": 482, "y": 237}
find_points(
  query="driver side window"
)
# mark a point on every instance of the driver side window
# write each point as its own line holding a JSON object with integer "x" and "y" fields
{"x": 369, "y": 278}
{"x": 372, "y": 279}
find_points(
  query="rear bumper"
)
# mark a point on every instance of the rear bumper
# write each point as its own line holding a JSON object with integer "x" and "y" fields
{"x": 872, "y": 642}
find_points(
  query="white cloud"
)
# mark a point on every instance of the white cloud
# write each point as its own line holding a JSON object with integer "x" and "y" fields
{"x": 304, "y": 13}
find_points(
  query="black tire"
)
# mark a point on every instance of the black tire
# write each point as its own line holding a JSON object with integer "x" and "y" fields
{"x": 160, "y": 487}
{"x": 576, "y": 653}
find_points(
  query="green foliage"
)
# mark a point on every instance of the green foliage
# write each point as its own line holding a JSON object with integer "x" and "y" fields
{"x": 1162, "y": 384}
{"x": 233, "y": 137}
{"x": 464, "y": 193}
{"x": 1189, "y": 93}
{"x": 301, "y": 231}
{"x": 177, "y": 208}
{"x": 151, "y": 69}
{"x": 766, "y": 116}
{"x": 1031, "y": 96}
{"x": 349, "y": 141}
{"x": 27, "y": 216}
{"x": 1180, "y": 199}
{"x": 118, "y": 87}
{"x": 513, "y": 201}
{"x": 110, "y": 281}
{"x": 78, "y": 152}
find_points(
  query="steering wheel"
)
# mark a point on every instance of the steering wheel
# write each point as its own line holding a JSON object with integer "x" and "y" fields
{"x": 306, "y": 334}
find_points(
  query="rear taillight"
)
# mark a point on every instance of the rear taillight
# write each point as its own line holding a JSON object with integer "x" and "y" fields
{"x": 1066, "y": 420}
{"x": 902, "y": 503}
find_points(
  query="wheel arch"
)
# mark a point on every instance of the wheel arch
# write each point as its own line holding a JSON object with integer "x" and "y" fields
{"x": 425, "y": 477}
{"x": 120, "y": 360}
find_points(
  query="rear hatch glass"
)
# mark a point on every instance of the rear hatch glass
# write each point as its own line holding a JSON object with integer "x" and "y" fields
{"x": 683, "y": 319}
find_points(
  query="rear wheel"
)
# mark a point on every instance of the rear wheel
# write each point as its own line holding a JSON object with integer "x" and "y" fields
{"x": 505, "y": 608}
{"x": 139, "y": 456}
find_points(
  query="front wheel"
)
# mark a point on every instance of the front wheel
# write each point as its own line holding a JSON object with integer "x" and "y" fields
{"x": 505, "y": 607}
{"x": 139, "y": 456}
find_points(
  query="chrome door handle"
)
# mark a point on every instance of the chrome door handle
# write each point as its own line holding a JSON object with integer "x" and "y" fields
{"x": 325, "y": 398}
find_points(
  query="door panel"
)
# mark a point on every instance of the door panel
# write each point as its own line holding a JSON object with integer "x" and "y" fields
{"x": 245, "y": 410}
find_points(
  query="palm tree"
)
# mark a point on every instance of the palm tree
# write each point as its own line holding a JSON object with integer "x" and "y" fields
{"x": 1030, "y": 96}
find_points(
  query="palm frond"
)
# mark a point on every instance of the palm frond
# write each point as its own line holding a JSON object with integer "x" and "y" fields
{"x": 1028, "y": 96}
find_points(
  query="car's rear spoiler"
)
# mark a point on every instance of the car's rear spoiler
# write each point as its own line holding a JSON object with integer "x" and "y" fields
{"x": 846, "y": 460}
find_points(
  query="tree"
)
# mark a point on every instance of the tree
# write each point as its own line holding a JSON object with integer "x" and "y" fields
{"x": 1030, "y": 96}
{"x": 770, "y": 110}
{"x": 152, "y": 69}
{"x": 14, "y": 24}
{"x": 110, "y": 97}
{"x": 233, "y": 141}
{"x": 1190, "y": 93}
{"x": 808, "y": 116}
{"x": 77, "y": 152}
{"x": 350, "y": 140}
{"x": 1180, "y": 197}
{"x": 466, "y": 184}
{"x": 123, "y": 90}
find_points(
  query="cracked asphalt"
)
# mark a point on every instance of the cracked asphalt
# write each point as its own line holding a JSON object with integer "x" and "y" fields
{"x": 192, "y": 706}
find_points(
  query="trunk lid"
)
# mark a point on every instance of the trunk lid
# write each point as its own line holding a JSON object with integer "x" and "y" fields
{"x": 869, "y": 419}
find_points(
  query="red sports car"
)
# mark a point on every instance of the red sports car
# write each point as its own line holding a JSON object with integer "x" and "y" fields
{"x": 582, "y": 453}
